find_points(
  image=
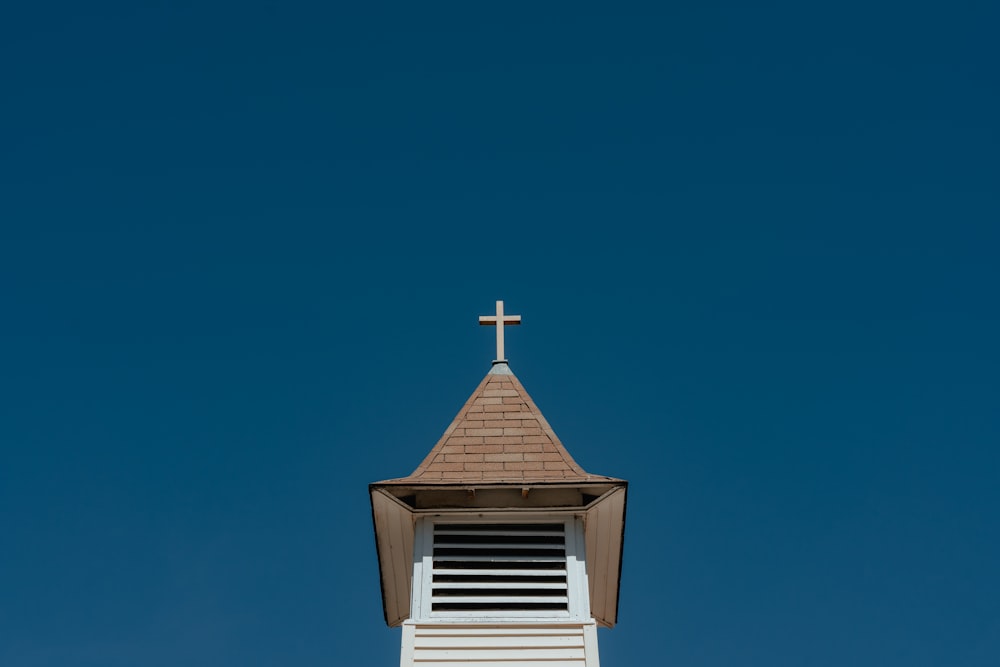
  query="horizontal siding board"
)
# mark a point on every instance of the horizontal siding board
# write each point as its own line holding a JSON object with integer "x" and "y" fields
{"x": 503, "y": 631}
{"x": 574, "y": 640}
{"x": 505, "y": 614}
{"x": 493, "y": 653}
{"x": 505, "y": 663}
{"x": 444, "y": 544}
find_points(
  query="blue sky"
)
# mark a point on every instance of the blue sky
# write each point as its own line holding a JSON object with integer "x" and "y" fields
{"x": 243, "y": 247}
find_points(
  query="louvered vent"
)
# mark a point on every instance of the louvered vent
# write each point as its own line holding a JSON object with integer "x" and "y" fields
{"x": 503, "y": 568}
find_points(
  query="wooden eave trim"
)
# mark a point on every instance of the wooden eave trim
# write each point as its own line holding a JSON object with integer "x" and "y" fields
{"x": 561, "y": 484}
{"x": 621, "y": 551}
{"x": 621, "y": 554}
{"x": 372, "y": 488}
{"x": 378, "y": 556}
{"x": 378, "y": 548}
{"x": 621, "y": 485}
{"x": 490, "y": 511}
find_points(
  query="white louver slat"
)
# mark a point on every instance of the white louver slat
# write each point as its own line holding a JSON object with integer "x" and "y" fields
{"x": 500, "y": 569}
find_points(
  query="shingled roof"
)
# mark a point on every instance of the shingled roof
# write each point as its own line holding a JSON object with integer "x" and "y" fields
{"x": 499, "y": 436}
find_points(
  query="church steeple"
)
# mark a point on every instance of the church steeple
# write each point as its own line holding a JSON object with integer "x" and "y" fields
{"x": 499, "y": 527}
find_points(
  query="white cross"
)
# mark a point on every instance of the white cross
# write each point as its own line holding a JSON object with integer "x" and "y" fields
{"x": 499, "y": 320}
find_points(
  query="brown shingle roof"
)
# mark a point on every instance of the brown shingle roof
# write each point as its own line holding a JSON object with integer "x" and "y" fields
{"x": 499, "y": 436}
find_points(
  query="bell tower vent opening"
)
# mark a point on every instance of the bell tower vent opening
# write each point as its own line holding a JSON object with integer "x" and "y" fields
{"x": 499, "y": 568}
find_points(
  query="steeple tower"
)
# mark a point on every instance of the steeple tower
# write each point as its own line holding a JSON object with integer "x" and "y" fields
{"x": 499, "y": 548}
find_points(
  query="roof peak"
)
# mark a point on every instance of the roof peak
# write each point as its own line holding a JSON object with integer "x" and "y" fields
{"x": 499, "y": 436}
{"x": 500, "y": 368}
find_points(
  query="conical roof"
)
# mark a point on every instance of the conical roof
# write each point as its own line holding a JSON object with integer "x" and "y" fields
{"x": 498, "y": 437}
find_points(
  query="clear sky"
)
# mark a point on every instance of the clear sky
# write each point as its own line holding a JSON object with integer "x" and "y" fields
{"x": 243, "y": 247}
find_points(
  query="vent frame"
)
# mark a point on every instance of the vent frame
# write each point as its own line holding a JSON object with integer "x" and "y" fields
{"x": 520, "y": 579}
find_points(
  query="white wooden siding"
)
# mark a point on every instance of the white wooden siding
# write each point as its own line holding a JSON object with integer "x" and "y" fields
{"x": 507, "y": 645}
